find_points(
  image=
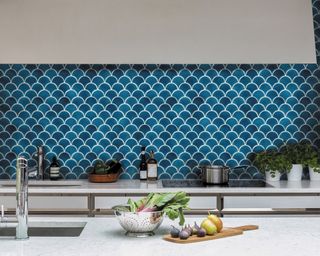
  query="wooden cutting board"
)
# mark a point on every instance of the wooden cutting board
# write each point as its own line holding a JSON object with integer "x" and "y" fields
{"x": 226, "y": 232}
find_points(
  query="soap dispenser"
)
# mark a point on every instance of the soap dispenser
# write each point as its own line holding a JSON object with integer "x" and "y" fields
{"x": 54, "y": 169}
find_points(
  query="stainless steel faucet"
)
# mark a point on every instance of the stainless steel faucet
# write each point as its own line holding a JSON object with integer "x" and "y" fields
{"x": 21, "y": 220}
{"x": 37, "y": 172}
{"x": 22, "y": 198}
{"x": 40, "y": 166}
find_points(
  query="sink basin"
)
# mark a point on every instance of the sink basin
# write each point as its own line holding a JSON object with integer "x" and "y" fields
{"x": 44, "y": 183}
{"x": 49, "y": 229}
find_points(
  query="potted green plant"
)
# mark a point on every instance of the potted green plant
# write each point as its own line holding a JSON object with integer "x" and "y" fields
{"x": 298, "y": 155}
{"x": 272, "y": 164}
{"x": 313, "y": 163}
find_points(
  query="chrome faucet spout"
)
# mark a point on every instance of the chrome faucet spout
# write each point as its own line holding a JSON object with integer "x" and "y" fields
{"x": 40, "y": 173}
{"x": 22, "y": 198}
{"x": 21, "y": 220}
{"x": 37, "y": 172}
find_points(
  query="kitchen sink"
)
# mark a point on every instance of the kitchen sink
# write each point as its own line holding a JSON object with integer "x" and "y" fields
{"x": 48, "y": 229}
{"x": 44, "y": 183}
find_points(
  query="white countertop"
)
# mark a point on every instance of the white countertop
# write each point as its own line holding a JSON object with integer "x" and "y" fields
{"x": 137, "y": 187}
{"x": 104, "y": 236}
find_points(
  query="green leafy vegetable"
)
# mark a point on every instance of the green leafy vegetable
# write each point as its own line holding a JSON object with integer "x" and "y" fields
{"x": 121, "y": 208}
{"x": 172, "y": 204}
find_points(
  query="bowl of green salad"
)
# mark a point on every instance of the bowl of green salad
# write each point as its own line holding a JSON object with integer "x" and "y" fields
{"x": 142, "y": 217}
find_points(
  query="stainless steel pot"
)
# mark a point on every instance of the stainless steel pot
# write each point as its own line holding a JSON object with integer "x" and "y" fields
{"x": 215, "y": 174}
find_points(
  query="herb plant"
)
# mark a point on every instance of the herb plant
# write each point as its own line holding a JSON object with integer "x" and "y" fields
{"x": 272, "y": 161}
{"x": 302, "y": 153}
{"x": 313, "y": 159}
{"x": 298, "y": 153}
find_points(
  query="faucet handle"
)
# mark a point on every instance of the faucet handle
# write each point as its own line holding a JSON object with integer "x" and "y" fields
{"x": 32, "y": 172}
{"x": 38, "y": 152}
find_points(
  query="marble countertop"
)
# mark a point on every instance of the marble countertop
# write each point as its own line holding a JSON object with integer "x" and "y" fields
{"x": 136, "y": 187}
{"x": 104, "y": 236}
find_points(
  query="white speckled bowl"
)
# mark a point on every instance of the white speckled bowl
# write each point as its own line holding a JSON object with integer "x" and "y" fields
{"x": 139, "y": 224}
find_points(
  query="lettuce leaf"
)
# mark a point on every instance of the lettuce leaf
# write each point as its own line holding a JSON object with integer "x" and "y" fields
{"x": 172, "y": 204}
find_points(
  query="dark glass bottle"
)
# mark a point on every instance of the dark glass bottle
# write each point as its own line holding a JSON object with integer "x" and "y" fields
{"x": 54, "y": 169}
{"x": 152, "y": 166}
{"x": 143, "y": 170}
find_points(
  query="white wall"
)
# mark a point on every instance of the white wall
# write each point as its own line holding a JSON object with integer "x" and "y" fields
{"x": 156, "y": 31}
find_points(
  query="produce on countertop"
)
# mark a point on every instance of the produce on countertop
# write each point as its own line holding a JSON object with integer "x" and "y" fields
{"x": 216, "y": 221}
{"x": 111, "y": 166}
{"x": 172, "y": 204}
{"x": 174, "y": 232}
{"x": 209, "y": 226}
{"x": 226, "y": 232}
{"x": 189, "y": 229}
{"x": 200, "y": 232}
{"x": 184, "y": 234}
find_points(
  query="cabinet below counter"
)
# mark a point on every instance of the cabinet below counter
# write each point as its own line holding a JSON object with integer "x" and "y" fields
{"x": 81, "y": 197}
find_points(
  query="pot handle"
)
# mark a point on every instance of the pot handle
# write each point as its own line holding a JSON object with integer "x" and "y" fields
{"x": 240, "y": 166}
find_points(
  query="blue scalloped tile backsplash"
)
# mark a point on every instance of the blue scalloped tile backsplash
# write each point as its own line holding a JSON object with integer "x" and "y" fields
{"x": 187, "y": 114}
